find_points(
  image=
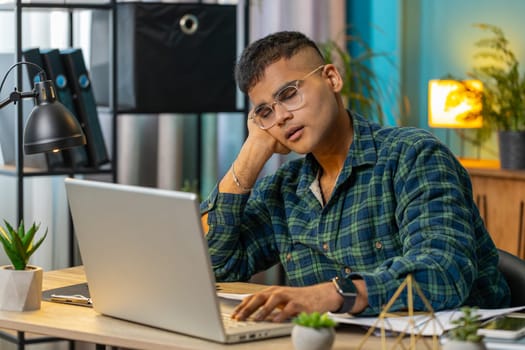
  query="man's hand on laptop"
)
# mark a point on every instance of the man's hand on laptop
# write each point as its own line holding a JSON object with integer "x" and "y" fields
{"x": 279, "y": 304}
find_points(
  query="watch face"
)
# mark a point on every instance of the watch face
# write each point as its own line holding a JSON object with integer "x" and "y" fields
{"x": 346, "y": 286}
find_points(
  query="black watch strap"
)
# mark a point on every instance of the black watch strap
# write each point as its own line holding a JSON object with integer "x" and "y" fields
{"x": 347, "y": 290}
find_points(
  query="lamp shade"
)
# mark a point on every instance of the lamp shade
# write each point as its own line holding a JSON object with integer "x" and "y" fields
{"x": 455, "y": 104}
{"x": 50, "y": 126}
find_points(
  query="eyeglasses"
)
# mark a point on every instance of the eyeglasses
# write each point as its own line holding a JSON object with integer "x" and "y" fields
{"x": 290, "y": 97}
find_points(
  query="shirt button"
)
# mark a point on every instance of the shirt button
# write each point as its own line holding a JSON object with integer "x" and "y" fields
{"x": 379, "y": 245}
{"x": 288, "y": 257}
{"x": 325, "y": 247}
{"x": 348, "y": 270}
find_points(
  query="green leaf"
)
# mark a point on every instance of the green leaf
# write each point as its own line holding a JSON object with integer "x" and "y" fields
{"x": 10, "y": 230}
{"x": 18, "y": 244}
{"x": 362, "y": 89}
{"x": 21, "y": 230}
{"x": 36, "y": 245}
{"x": 4, "y": 235}
{"x": 503, "y": 93}
{"x": 27, "y": 239}
{"x": 467, "y": 325}
{"x": 314, "y": 320}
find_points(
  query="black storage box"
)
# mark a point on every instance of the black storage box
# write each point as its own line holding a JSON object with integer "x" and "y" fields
{"x": 172, "y": 57}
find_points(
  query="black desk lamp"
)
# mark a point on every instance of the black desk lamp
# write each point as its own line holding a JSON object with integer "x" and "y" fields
{"x": 50, "y": 126}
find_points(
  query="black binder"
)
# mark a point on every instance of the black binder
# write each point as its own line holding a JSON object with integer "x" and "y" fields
{"x": 85, "y": 106}
{"x": 32, "y": 55}
{"x": 55, "y": 71}
{"x": 53, "y": 159}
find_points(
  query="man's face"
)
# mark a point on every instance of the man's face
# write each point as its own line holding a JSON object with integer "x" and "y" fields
{"x": 307, "y": 128}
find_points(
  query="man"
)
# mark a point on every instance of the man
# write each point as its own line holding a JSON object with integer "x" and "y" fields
{"x": 364, "y": 208}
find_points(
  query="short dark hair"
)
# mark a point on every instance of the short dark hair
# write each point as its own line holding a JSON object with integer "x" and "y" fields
{"x": 263, "y": 52}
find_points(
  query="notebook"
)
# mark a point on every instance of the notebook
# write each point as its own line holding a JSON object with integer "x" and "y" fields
{"x": 146, "y": 261}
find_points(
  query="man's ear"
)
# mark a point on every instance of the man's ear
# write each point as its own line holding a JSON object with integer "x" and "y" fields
{"x": 334, "y": 77}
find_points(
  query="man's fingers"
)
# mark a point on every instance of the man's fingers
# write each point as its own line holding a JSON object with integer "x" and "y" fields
{"x": 277, "y": 304}
{"x": 275, "y": 300}
{"x": 291, "y": 309}
{"x": 241, "y": 305}
{"x": 245, "y": 309}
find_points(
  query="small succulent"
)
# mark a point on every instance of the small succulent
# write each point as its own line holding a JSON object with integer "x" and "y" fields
{"x": 314, "y": 320}
{"x": 467, "y": 326}
{"x": 18, "y": 244}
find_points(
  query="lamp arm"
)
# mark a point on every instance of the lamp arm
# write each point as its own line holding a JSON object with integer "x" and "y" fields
{"x": 5, "y": 102}
{"x": 16, "y": 96}
{"x": 41, "y": 71}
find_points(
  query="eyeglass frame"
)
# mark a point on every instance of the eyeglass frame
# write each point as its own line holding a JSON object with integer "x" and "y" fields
{"x": 275, "y": 101}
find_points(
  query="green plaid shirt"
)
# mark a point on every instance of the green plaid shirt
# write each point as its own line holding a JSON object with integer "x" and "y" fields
{"x": 401, "y": 205}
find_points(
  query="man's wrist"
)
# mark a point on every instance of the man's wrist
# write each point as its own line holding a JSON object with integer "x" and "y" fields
{"x": 345, "y": 288}
{"x": 237, "y": 182}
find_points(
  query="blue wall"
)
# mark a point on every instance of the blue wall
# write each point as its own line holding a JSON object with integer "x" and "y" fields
{"x": 433, "y": 38}
{"x": 377, "y": 23}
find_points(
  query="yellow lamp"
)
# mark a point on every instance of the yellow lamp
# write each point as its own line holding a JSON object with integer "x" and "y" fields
{"x": 455, "y": 104}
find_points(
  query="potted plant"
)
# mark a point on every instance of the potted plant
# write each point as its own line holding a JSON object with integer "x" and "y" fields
{"x": 313, "y": 331}
{"x": 503, "y": 96}
{"x": 465, "y": 336}
{"x": 20, "y": 283}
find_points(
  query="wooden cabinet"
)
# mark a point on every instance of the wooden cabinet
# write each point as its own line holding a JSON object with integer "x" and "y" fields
{"x": 500, "y": 197}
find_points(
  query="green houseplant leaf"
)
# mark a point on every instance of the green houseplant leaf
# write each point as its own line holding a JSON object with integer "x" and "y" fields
{"x": 19, "y": 244}
{"x": 467, "y": 326}
{"x": 362, "y": 89}
{"x": 314, "y": 320}
{"x": 503, "y": 96}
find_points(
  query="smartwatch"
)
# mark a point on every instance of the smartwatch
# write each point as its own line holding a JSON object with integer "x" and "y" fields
{"x": 347, "y": 290}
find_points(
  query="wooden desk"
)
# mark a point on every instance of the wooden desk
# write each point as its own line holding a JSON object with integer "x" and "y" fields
{"x": 84, "y": 324}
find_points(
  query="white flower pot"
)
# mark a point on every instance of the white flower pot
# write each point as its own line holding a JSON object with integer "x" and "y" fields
{"x": 463, "y": 345}
{"x": 306, "y": 338}
{"x": 20, "y": 290}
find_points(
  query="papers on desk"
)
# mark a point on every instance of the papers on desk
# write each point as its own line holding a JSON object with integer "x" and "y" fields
{"x": 504, "y": 344}
{"x": 422, "y": 323}
{"x": 232, "y": 296}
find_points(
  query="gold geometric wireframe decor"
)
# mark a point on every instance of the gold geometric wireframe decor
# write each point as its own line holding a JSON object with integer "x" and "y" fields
{"x": 415, "y": 331}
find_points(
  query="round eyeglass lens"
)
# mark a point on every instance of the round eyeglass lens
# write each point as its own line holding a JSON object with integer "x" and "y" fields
{"x": 290, "y": 97}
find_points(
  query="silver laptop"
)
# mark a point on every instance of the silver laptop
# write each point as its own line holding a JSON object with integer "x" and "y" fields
{"x": 146, "y": 260}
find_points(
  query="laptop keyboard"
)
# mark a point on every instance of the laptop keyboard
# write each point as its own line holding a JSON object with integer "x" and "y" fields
{"x": 231, "y": 323}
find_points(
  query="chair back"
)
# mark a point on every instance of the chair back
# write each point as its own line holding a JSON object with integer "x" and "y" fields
{"x": 513, "y": 269}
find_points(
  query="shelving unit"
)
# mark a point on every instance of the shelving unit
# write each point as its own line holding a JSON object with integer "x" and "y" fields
{"x": 19, "y": 170}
